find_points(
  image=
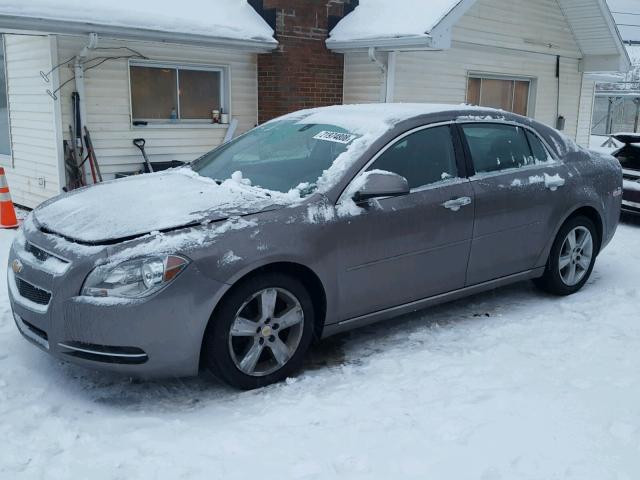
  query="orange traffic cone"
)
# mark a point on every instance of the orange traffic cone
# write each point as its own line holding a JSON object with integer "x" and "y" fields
{"x": 8, "y": 217}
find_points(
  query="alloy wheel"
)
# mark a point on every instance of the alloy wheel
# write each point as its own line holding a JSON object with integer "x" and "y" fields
{"x": 266, "y": 332}
{"x": 576, "y": 255}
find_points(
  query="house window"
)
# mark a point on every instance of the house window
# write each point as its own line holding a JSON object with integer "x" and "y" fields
{"x": 5, "y": 135}
{"x": 508, "y": 94}
{"x": 172, "y": 93}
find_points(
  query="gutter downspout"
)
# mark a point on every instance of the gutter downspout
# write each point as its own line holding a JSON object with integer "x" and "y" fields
{"x": 391, "y": 76}
{"x": 78, "y": 70}
{"x": 383, "y": 68}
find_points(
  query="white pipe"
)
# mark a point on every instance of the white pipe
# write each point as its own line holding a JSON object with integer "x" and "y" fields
{"x": 391, "y": 76}
{"x": 374, "y": 59}
{"x": 383, "y": 68}
{"x": 78, "y": 70}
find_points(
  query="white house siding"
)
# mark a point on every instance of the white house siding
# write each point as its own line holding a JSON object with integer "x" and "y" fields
{"x": 363, "y": 79}
{"x": 34, "y": 174}
{"x": 585, "y": 115}
{"x": 485, "y": 42}
{"x": 108, "y": 104}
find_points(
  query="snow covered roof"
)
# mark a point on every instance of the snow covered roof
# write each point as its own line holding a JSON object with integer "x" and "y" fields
{"x": 428, "y": 24}
{"x": 206, "y": 22}
{"x": 401, "y": 22}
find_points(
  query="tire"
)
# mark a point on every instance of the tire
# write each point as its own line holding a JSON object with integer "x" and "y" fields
{"x": 273, "y": 351}
{"x": 559, "y": 281}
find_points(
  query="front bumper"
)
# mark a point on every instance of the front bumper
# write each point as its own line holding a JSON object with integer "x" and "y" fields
{"x": 160, "y": 336}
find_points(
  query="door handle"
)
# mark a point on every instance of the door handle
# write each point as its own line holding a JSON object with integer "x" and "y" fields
{"x": 456, "y": 204}
{"x": 553, "y": 183}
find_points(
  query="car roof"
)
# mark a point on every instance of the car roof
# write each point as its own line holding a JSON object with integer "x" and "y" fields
{"x": 378, "y": 118}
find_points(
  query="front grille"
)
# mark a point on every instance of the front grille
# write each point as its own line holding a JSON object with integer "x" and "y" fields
{"x": 36, "y": 252}
{"x": 32, "y": 293}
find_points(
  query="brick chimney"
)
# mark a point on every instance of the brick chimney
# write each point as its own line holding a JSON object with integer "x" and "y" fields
{"x": 302, "y": 72}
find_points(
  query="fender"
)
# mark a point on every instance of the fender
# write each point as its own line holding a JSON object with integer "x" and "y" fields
{"x": 544, "y": 255}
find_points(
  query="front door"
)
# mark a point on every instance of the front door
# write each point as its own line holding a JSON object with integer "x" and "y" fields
{"x": 518, "y": 190}
{"x": 402, "y": 249}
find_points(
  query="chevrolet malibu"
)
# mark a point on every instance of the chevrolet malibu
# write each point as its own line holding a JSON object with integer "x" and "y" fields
{"x": 309, "y": 225}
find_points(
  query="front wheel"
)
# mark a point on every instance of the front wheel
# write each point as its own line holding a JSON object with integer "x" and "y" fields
{"x": 572, "y": 257}
{"x": 260, "y": 332}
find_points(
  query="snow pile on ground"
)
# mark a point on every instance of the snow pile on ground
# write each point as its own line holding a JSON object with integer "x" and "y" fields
{"x": 144, "y": 203}
{"x": 233, "y": 19}
{"x": 506, "y": 385}
{"x": 384, "y": 19}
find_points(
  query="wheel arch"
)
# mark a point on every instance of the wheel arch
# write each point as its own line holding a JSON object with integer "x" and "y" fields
{"x": 304, "y": 274}
{"x": 587, "y": 210}
{"x": 592, "y": 214}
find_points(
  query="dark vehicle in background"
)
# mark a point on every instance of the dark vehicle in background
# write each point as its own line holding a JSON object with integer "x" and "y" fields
{"x": 629, "y": 157}
{"x": 309, "y": 225}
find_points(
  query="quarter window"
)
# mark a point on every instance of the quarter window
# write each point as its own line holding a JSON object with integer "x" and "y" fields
{"x": 423, "y": 158}
{"x": 175, "y": 93}
{"x": 540, "y": 153}
{"x": 495, "y": 147}
{"x": 507, "y": 94}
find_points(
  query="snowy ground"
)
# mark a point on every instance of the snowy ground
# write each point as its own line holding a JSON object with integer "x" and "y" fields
{"x": 507, "y": 385}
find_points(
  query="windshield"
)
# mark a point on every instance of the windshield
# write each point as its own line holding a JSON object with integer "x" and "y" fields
{"x": 281, "y": 155}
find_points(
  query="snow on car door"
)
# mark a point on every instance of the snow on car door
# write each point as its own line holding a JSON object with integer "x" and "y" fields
{"x": 518, "y": 190}
{"x": 407, "y": 248}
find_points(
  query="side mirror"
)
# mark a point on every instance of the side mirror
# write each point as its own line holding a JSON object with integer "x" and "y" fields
{"x": 378, "y": 183}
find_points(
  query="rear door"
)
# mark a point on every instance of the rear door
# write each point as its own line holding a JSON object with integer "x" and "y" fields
{"x": 402, "y": 249}
{"x": 518, "y": 188}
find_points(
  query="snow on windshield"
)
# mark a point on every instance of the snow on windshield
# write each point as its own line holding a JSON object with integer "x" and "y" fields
{"x": 368, "y": 122}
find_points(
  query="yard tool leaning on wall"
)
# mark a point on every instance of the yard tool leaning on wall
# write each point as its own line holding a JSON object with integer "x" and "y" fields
{"x": 140, "y": 142}
{"x": 91, "y": 156}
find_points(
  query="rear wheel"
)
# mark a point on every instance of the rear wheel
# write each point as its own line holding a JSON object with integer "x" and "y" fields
{"x": 572, "y": 257}
{"x": 260, "y": 332}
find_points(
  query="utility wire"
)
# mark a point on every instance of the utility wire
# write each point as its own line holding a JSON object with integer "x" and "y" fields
{"x": 101, "y": 60}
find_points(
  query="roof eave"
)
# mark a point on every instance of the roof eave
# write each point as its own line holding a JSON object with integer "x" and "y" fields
{"x": 28, "y": 24}
{"x": 613, "y": 63}
{"x": 624, "y": 62}
{"x": 395, "y": 43}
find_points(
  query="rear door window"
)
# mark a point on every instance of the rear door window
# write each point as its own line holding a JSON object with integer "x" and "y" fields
{"x": 423, "y": 158}
{"x": 496, "y": 147}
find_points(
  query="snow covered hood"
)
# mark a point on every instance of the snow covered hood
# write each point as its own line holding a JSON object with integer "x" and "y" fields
{"x": 222, "y": 19}
{"x": 145, "y": 203}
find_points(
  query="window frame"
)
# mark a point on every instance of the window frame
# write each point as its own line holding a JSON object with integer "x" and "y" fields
{"x": 6, "y": 160}
{"x": 471, "y": 170}
{"x": 458, "y": 146}
{"x": 510, "y": 78}
{"x": 225, "y": 93}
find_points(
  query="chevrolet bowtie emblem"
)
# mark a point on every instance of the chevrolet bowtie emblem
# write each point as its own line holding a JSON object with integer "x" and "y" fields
{"x": 17, "y": 266}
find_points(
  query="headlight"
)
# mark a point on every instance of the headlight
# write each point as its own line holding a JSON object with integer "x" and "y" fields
{"x": 135, "y": 278}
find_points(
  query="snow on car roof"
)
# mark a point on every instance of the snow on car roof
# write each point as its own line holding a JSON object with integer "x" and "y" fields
{"x": 233, "y": 19}
{"x": 384, "y": 19}
{"x": 377, "y": 118}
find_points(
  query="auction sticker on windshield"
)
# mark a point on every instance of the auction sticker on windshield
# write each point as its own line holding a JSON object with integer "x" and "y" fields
{"x": 337, "y": 137}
